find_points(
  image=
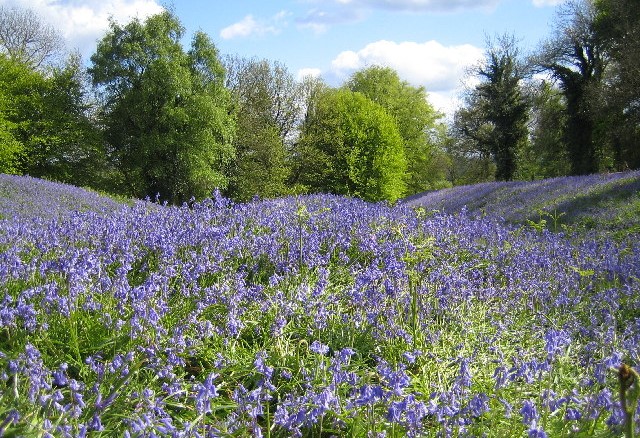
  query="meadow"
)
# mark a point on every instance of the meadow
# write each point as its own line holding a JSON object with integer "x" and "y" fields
{"x": 452, "y": 314}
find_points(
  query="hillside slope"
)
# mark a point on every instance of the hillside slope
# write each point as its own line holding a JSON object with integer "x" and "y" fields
{"x": 24, "y": 196}
{"x": 609, "y": 200}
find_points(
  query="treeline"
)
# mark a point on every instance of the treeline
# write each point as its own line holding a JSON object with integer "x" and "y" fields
{"x": 150, "y": 117}
{"x": 583, "y": 118}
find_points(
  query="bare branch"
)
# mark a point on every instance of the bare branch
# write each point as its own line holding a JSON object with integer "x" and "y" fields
{"x": 25, "y": 37}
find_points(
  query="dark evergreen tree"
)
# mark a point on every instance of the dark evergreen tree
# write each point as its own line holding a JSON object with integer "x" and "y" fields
{"x": 496, "y": 112}
{"x": 576, "y": 58}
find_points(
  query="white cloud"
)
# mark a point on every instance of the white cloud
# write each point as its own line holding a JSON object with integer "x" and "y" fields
{"x": 542, "y": 3}
{"x": 249, "y": 26}
{"x": 440, "y": 69}
{"x": 242, "y": 28}
{"x": 437, "y": 67}
{"x": 306, "y": 72}
{"x": 83, "y": 22}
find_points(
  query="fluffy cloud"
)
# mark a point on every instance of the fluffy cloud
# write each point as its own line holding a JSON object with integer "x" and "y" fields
{"x": 84, "y": 22}
{"x": 440, "y": 69}
{"x": 249, "y": 26}
{"x": 306, "y": 72}
{"x": 437, "y": 67}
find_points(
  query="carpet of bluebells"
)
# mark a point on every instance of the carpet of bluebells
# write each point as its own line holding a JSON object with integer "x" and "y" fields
{"x": 612, "y": 200}
{"x": 305, "y": 316}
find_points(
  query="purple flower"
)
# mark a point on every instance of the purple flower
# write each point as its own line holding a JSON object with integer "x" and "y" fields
{"x": 205, "y": 392}
{"x": 572, "y": 414}
{"x": 536, "y": 432}
{"x": 318, "y": 347}
{"x": 556, "y": 342}
{"x": 12, "y": 417}
{"x": 59, "y": 377}
{"x": 261, "y": 366}
{"x": 465, "y": 377}
{"x": 479, "y": 404}
{"x": 369, "y": 395}
{"x": 396, "y": 409}
{"x": 411, "y": 356}
{"x": 529, "y": 412}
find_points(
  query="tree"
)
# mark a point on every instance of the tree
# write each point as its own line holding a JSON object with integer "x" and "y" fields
{"x": 168, "y": 117}
{"x": 350, "y": 145}
{"x": 26, "y": 38}
{"x": 497, "y": 109}
{"x": 545, "y": 155}
{"x": 468, "y": 146}
{"x": 11, "y": 149}
{"x": 417, "y": 122}
{"x": 46, "y": 122}
{"x": 619, "y": 30}
{"x": 268, "y": 110}
{"x": 577, "y": 59}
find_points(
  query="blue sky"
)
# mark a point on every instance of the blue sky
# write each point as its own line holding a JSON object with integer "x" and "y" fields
{"x": 429, "y": 42}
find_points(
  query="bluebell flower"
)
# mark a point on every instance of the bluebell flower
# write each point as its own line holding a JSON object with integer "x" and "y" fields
{"x": 536, "y": 432}
{"x": 319, "y": 348}
{"x": 478, "y": 405}
{"x": 529, "y": 412}
{"x": 572, "y": 414}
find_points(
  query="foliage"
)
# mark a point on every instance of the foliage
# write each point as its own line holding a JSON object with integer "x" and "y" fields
{"x": 167, "y": 114}
{"x": 269, "y": 109}
{"x": 544, "y": 155}
{"x": 472, "y": 160}
{"x": 20, "y": 92}
{"x": 496, "y": 113}
{"x": 307, "y": 316}
{"x": 46, "y": 123}
{"x": 417, "y": 122}
{"x": 350, "y": 145}
{"x": 619, "y": 29}
{"x": 68, "y": 147}
{"x": 576, "y": 57}
{"x": 10, "y": 148}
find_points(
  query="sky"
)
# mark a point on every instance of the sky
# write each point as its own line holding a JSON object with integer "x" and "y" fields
{"x": 430, "y": 43}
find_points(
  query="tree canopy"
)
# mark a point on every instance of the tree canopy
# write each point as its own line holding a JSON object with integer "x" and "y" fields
{"x": 269, "y": 107}
{"x": 416, "y": 119}
{"x": 154, "y": 115}
{"x": 350, "y": 145}
{"x": 497, "y": 109}
{"x": 167, "y": 114}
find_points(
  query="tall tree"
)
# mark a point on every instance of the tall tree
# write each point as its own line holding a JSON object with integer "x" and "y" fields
{"x": 417, "y": 122}
{"x": 576, "y": 57}
{"x": 11, "y": 150}
{"x": 168, "y": 116}
{"x": 545, "y": 154}
{"x": 468, "y": 147}
{"x": 268, "y": 109}
{"x": 26, "y": 38}
{"x": 46, "y": 122}
{"x": 618, "y": 27}
{"x": 495, "y": 117}
{"x": 350, "y": 145}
